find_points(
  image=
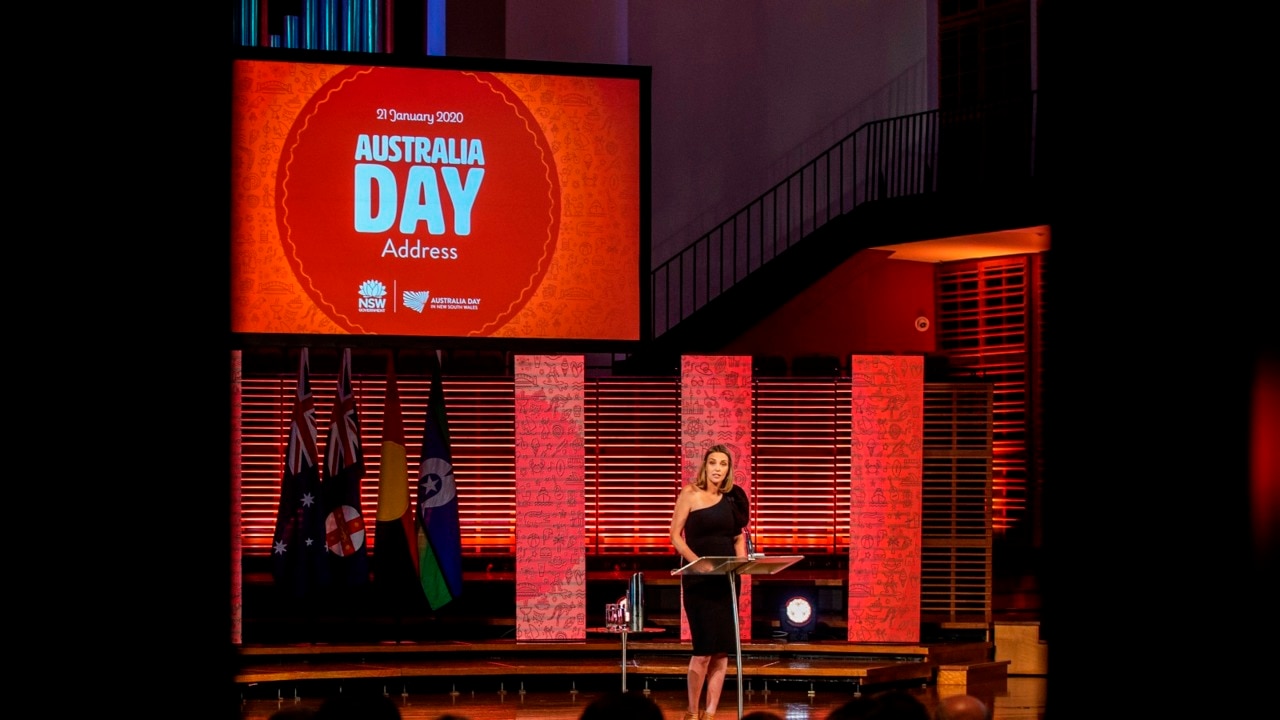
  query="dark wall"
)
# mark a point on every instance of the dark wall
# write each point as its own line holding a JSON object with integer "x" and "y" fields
{"x": 476, "y": 28}
{"x": 866, "y": 305}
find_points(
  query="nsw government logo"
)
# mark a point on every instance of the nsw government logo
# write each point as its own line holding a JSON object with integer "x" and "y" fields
{"x": 373, "y": 297}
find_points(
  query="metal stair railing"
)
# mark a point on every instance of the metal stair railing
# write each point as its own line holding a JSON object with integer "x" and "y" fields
{"x": 928, "y": 152}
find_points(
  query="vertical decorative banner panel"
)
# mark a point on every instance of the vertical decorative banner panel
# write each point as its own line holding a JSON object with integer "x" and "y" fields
{"x": 715, "y": 409}
{"x": 550, "y": 455}
{"x": 885, "y": 506}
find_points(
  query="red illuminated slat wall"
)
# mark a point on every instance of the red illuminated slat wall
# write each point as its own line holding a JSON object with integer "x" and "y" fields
{"x": 990, "y": 321}
{"x": 551, "y": 571}
{"x": 237, "y": 548}
{"x": 799, "y": 462}
{"x": 633, "y": 464}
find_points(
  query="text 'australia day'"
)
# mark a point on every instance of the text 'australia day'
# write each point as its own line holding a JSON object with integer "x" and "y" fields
{"x": 432, "y": 161}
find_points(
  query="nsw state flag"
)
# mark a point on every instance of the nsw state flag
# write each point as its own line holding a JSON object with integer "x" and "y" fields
{"x": 439, "y": 534}
{"x": 344, "y": 468}
{"x": 300, "y": 562}
{"x": 395, "y": 556}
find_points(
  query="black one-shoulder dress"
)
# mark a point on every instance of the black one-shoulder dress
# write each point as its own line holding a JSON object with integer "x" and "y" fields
{"x": 707, "y": 603}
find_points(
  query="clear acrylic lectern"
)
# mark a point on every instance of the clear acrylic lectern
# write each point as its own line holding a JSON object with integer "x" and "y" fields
{"x": 732, "y": 567}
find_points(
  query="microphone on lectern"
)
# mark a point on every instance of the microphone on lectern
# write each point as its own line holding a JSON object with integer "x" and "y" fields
{"x": 635, "y": 602}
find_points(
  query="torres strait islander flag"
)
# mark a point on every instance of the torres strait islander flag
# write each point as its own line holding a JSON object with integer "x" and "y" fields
{"x": 299, "y": 562}
{"x": 344, "y": 468}
{"x": 395, "y": 559}
{"x": 439, "y": 533}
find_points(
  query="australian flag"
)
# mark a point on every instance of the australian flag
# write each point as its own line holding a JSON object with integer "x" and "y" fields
{"x": 300, "y": 562}
{"x": 344, "y": 525}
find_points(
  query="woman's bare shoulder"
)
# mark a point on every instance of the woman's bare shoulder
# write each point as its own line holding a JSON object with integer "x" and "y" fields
{"x": 687, "y": 494}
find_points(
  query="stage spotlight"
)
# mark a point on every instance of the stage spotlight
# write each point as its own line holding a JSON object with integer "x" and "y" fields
{"x": 798, "y": 615}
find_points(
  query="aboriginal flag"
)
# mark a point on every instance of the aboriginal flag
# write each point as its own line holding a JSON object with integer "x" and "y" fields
{"x": 395, "y": 559}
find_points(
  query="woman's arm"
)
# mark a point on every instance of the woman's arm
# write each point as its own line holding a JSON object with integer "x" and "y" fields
{"x": 678, "y": 518}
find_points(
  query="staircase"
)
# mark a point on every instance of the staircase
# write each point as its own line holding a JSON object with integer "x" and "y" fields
{"x": 915, "y": 177}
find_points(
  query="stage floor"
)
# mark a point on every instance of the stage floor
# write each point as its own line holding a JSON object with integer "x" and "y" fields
{"x": 1013, "y": 698}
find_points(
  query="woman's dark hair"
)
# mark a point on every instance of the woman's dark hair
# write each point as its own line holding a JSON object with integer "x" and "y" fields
{"x": 741, "y": 506}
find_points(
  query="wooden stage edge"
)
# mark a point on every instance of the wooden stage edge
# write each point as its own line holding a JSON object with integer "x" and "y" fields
{"x": 860, "y": 663}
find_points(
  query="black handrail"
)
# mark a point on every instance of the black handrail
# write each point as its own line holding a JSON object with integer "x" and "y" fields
{"x": 910, "y": 155}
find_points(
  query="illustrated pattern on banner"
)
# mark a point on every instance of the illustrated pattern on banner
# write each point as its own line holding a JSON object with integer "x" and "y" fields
{"x": 550, "y": 496}
{"x": 886, "y": 462}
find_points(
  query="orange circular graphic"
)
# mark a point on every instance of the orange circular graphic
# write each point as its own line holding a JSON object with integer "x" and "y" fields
{"x": 415, "y": 203}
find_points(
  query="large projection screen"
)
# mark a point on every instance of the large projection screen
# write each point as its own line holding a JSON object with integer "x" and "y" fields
{"x": 439, "y": 198}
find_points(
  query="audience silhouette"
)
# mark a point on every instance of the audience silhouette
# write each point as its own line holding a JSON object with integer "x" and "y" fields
{"x": 960, "y": 707}
{"x": 884, "y": 705}
{"x": 618, "y": 705}
{"x": 357, "y": 707}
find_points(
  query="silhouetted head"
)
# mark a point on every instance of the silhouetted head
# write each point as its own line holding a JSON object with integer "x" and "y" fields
{"x": 884, "y": 705}
{"x": 960, "y": 707}
{"x": 358, "y": 707}
{"x": 619, "y": 705}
